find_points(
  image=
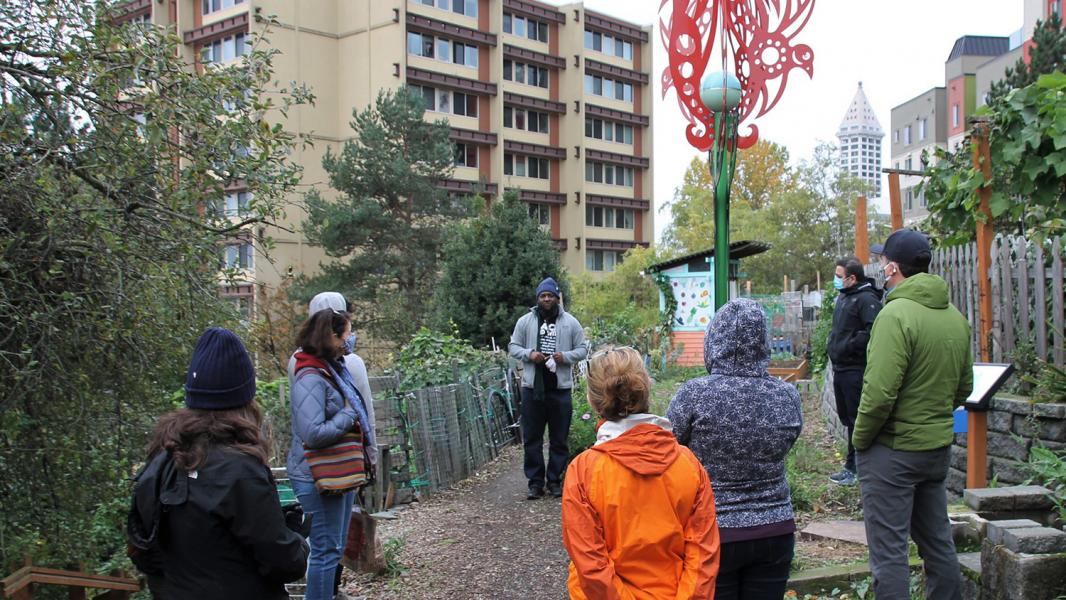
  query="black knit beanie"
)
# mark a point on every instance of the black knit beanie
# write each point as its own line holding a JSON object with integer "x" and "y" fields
{"x": 221, "y": 375}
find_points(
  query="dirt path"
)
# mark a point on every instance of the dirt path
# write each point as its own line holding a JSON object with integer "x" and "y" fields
{"x": 482, "y": 539}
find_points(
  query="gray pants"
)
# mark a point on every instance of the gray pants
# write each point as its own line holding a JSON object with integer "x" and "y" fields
{"x": 904, "y": 491}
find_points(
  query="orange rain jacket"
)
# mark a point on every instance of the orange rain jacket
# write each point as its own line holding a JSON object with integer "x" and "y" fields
{"x": 638, "y": 520}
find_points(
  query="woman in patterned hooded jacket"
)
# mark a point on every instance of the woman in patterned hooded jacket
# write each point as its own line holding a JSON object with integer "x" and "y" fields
{"x": 741, "y": 423}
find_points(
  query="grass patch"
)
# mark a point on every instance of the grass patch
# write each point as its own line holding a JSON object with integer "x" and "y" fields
{"x": 391, "y": 552}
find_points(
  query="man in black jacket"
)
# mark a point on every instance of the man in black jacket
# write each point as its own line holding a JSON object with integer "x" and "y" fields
{"x": 857, "y": 306}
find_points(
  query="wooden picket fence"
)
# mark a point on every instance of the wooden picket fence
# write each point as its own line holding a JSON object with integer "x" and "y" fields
{"x": 1027, "y": 294}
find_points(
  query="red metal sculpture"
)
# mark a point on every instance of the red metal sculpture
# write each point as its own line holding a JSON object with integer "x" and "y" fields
{"x": 760, "y": 35}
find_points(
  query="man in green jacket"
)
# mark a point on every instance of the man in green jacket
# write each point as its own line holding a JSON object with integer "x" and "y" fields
{"x": 918, "y": 368}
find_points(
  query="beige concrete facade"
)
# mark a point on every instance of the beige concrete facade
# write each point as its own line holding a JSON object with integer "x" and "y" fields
{"x": 346, "y": 51}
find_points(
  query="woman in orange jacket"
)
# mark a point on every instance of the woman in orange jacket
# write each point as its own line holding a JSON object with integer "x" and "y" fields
{"x": 638, "y": 511}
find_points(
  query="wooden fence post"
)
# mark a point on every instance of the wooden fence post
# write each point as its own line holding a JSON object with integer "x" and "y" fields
{"x": 862, "y": 232}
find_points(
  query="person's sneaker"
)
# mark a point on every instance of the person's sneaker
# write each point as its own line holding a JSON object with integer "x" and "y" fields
{"x": 535, "y": 492}
{"x": 555, "y": 490}
{"x": 844, "y": 477}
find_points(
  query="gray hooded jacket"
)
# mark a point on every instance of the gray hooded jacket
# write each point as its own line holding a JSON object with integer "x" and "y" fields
{"x": 570, "y": 341}
{"x": 740, "y": 422}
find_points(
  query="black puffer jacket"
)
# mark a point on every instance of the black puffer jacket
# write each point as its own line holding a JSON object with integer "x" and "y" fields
{"x": 221, "y": 532}
{"x": 739, "y": 421}
{"x": 853, "y": 318}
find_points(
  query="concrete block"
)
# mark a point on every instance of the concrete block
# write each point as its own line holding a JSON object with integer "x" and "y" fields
{"x": 1018, "y": 407}
{"x": 1017, "y": 497}
{"x": 1010, "y": 576}
{"x": 995, "y": 529}
{"x": 955, "y": 482}
{"x": 1024, "y": 426}
{"x": 1051, "y": 410}
{"x": 1008, "y": 472}
{"x": 958, "y": 458}
{"x": 1004, "y": 445}
{"x": 999, "y": 421}
{"x": 1035, "y": 540}
{"x": 960, "y": 440}
{"x": 1051, "y": 430}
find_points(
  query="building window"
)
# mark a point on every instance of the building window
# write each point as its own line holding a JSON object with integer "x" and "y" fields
{"x": 908, "y": 200}
{"x": 921, "y": 129}
{"x": 602, "y": 260}
{"x": 606, "y": 44}
{"x": 609, "y": 216}
{"x": 523, "y": 73}
{"x": 238, "y": 256}
{"x": 234, "y": 204}
{"x": 525, "y": 27}
{"x": 210, "y": 6}
{"x": 597, "y": 172}
{"x": 526, "y": 166}
{"x": 907, "y": 135}
{"x": 442, "y": 49}
{"x": 540, "y": 213}
{"x": 908, "y": 164}
{"x": 895, "y": 136}
{"x": 529, "y": 120}
{"x": 224, "y": 50}
{"x": 954, "y": 115}
{"x": 445, "y": 101}
{"x": 465, "y": 155}
{"x": 608, "y": 88}
{"x": 608, "y": 130}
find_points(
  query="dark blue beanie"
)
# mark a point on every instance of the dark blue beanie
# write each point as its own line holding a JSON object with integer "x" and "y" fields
{"x": 221, "y": 375}
{"x": 548, "y": 285}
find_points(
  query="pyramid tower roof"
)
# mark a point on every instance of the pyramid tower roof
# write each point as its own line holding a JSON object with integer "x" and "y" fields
{"x": 860, "y": 118}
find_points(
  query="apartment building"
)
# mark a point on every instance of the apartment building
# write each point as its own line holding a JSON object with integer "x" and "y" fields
{"x": 860, "y": 137}
{"x": 940, "y": 116}
{"x": 920, "y": 125}
{"x": 551, "y": 101}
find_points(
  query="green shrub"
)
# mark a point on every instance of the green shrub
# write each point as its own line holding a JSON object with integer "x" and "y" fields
{"x": 583, "y": 422}
{"x": 435, "y": 358}
{"x": 1048, "y": 468}
{"x": 820, "y": 337}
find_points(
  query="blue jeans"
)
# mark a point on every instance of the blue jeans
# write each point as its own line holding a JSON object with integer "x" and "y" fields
{"x": 330, "y": 516}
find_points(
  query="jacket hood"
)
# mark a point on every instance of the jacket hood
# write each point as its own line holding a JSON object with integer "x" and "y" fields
{"x": 645, "y": 449}
{"x": 925, "y": 289}
{"x": 159, "y": 485}
{"x": 736, "y": 342}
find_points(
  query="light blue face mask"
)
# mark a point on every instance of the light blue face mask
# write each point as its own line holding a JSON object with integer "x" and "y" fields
{"x": 838, "y": 283}
{"x": 349, "y": 344}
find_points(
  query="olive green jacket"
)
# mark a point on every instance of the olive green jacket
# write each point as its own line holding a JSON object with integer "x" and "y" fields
{"x": 919, "y": 367}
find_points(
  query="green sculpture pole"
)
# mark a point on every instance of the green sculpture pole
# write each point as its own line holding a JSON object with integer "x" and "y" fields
{"x": 722, "y": 160}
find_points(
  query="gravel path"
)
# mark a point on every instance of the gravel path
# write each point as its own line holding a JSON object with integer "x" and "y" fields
{"x": 481, "y": 539}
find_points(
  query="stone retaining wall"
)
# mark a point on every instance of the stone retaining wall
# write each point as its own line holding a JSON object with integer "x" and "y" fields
{"x": 829, "y": 409}
{"x": 1013, "y": 427}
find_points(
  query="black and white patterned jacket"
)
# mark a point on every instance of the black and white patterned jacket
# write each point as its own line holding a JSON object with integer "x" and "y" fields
{"x": 739, "y": 421}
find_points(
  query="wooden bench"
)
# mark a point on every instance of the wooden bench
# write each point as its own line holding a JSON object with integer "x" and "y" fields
{"x": 19, "y": 585}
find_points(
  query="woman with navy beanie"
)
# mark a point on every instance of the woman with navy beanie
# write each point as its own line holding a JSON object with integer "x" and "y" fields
{"x": 206, "y": 522}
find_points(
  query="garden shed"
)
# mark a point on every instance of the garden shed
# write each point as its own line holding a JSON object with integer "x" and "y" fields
{"x": 690, "y": 279}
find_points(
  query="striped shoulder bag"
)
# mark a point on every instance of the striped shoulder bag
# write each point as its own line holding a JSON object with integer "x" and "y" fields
{"x": 342, "y": 466}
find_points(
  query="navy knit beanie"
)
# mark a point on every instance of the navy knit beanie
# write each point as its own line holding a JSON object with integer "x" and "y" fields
{"x": 548, "y": 285}
{"x": 221, "y": 375}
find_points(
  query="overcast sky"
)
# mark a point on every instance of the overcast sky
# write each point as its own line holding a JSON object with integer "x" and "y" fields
{"x": 897, "y": 48}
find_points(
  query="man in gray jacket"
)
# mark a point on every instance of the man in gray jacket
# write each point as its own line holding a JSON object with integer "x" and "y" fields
{"x": 548, "y": 341}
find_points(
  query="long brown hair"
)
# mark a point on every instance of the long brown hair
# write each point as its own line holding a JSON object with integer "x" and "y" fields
{"x": 187, "y": 434}
{"x": 316, "y": 334}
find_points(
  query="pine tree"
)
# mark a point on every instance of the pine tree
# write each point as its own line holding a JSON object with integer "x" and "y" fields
{"x": 387, "y": 224}
{"x": 492, "y": 265}
{"x": 1047, "y": 55}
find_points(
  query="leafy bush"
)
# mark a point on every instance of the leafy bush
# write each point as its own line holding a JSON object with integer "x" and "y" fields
{"x": 1048, "y": 469}
{"x": 820, "y": 337}
{"x": 435, "y": 358}
{"x": 583, "y": 423}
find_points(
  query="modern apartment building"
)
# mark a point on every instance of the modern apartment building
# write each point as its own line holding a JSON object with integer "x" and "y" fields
{"x": 551, "y": 101}
{"x": 860, "y": 136}
{"x": 919, "y": 126}
{"x": 940, "y": 116}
